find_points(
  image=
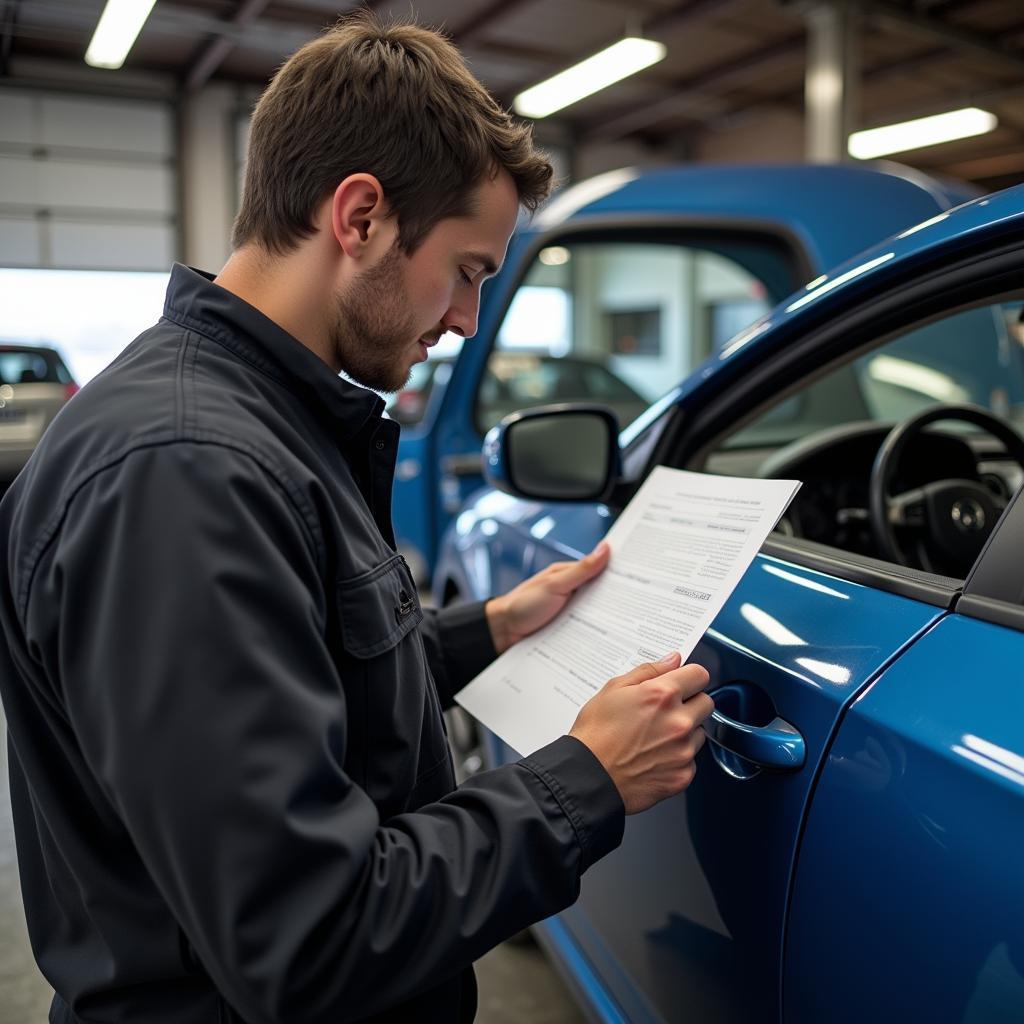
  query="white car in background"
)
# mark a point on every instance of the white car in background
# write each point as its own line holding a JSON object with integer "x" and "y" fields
{"x": 35, "y": 383}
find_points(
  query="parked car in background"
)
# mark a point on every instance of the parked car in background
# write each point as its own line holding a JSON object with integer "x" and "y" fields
{"x": 647, "y": 273}
{"x": 879, "y": 633}
{"x": 515, "y": 380}
{"x": 34, "y": 385}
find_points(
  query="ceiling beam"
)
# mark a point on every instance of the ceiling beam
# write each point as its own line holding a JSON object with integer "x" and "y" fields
{"x": 476, "y": 23}
{"x": 683, "y": 13}
{"x": 694, "y": 96}
{"x": 988, "y": 166}
{"x": 653, "y": 25}
{"x": 968, "y": 41}
{"x": 526, "y": 54}
{"x": 942, "y": 6}
{"x": 216, "y": 49}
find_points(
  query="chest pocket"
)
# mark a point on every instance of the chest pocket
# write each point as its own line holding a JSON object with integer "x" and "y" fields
{"x": 378, "y": 608}
{"x": 396, "y": 746}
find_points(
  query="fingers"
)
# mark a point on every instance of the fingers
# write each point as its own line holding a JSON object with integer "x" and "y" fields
{"x": 701, "y": 705}
{"x": 648, "y": 670}
{"x": 690, "y": 680}
{"x": 679, "y": 683}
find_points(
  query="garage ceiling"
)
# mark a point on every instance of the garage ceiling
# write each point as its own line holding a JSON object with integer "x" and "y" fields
{"x": 729, "y": 61}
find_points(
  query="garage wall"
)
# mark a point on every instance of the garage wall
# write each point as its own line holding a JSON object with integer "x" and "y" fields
{"x": 773, "y": 136}
{"x": 89, "y": 183}
{"x": 96, "y": 183}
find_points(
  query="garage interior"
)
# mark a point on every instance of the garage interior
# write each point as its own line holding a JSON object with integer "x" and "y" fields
{"x": 130, "y": 170}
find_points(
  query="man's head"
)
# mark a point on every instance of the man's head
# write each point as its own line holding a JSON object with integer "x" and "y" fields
{"x": 386, "y": 123}
{"x": 396, "y": 101}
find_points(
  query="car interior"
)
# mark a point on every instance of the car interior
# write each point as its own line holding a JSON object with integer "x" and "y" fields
{"x": 909, "y": 452}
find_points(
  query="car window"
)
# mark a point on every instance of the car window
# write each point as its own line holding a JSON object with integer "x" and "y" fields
{"x": 32, "y": 366}
{"x": 829, "y": 431}
{"x": 974, "y": 356}
{"x": 619, "y": 322}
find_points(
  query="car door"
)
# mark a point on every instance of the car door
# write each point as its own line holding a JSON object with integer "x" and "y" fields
{"x": 919, "y": 812}
{"x": 685, "y": 920}
{"x": 688, "y": 919}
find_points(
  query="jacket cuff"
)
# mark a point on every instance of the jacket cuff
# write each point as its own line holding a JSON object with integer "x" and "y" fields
{"x": 466, "y": 643}
{"x": 586, "y": 794}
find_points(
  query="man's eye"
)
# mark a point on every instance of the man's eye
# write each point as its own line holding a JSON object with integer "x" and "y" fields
{"x": 465, "y": 277}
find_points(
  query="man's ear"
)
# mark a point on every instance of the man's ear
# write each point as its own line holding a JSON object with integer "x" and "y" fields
{"x": 359, "y": 217}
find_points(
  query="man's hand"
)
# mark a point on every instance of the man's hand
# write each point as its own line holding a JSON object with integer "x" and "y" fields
{"x": 536, "y": 601}
{"x": 645, "y": 728}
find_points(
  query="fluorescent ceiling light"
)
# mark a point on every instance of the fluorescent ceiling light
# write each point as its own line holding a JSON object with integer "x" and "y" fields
{"x": 924, "y": 131}
{"x": 622, "y": 59}
{"x": 118, "y": 27}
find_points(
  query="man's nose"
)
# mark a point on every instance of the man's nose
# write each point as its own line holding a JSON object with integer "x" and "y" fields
{"x": 462, "y": 319}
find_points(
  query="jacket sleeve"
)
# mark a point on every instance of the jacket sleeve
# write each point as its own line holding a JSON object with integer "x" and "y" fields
{"x": 459, "y": 646}
{"x": 185, "y": 591}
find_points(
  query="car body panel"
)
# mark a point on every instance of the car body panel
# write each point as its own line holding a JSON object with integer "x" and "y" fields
{"x": 825, "y": 214}
{"x": 908, "y": 803}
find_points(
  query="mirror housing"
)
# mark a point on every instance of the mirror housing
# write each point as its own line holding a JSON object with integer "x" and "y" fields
{"x": 567, "y": 452}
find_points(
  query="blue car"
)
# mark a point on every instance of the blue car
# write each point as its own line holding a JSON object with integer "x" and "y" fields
{"x": 851, "y": 847}
{"x": 644, "y": 273}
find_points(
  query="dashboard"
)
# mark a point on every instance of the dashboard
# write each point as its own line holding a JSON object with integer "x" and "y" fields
{"x": 835, "y": 467}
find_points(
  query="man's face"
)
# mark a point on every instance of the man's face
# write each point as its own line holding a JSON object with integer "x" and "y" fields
{"x": 397, "y": 308}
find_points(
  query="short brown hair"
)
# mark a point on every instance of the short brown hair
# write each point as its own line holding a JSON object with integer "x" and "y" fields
{"x": 393, "y": 100}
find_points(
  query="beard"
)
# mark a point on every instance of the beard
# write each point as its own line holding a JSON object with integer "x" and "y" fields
{"x": 371, "y": 333}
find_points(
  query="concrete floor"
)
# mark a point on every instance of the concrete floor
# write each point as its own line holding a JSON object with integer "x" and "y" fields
{"x": 516, "y": 984}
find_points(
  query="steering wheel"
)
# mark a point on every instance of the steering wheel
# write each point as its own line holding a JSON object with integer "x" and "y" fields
{"x": 948, "y": 520}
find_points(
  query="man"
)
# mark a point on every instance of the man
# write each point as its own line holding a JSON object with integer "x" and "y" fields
{"x": 232, "y": 789}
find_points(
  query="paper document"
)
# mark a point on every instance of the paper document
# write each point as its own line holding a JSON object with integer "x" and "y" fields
{"x": 678, "y": 550}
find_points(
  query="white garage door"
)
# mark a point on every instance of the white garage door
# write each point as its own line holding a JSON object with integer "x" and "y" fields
{"x": 85, "y": 182}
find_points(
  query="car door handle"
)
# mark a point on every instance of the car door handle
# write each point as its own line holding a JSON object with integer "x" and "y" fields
{"x": 776, "y": 746}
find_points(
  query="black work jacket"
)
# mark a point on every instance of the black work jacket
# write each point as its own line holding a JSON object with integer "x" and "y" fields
{"x": 232, "y": 790}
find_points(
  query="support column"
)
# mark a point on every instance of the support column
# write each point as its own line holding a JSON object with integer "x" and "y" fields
{"x": 206, "y": 165}
{"x": 832, "y": 81}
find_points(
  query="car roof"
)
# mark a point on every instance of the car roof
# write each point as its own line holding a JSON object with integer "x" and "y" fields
{"x": 811, "y": 202}
{"x": 9, "y": 346}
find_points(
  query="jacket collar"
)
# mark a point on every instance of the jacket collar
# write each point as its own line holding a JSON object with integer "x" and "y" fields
{"x": 194, "y": 301}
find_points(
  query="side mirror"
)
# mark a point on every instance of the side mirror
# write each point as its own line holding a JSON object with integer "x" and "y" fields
{"x": 554, "y": 453}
